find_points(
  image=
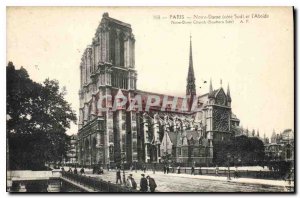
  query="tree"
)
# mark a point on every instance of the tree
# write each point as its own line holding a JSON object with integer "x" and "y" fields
{"x": 242, "y": 149}
{"x": 37, "y": 119}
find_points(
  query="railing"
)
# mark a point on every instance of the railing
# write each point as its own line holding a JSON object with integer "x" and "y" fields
{"x": 96, "y": 184}
{"x": 224, "y": 172}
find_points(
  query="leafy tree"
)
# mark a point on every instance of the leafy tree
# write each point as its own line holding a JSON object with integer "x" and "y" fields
{"x": 37, "y": 119}
{"x": 243, "y": 150}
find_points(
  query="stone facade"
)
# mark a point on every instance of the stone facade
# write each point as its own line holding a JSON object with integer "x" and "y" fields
{"x": 71, "y": 158}
{"x": 281, "y": 147}
{"x": 111, "y": 137}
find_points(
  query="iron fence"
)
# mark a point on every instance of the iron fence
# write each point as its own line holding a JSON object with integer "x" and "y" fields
{"x": 96, "y": 184}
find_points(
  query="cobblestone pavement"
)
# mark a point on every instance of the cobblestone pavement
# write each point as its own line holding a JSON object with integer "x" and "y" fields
{"x": 190, "y": 183}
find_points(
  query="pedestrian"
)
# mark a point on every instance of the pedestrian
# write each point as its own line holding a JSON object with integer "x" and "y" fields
{"x": 168, "y": 169}
{"x": 193, "y": 171}
{"x": 178, "y": 170}
{"x": 107, "y": 167}
{"x": 82, "y": 171}
{"x": 152, "y": 184}
{"x": 143, "y": 184}
{"x": 101, "y": 170}
{"x": 131, "y": 182}
{"x": 236, "y": 172}
{"x": 118, "y": 175}
{"x": 62, "y": 169}
{"x": 70, "y": 170}
{"x": 217, "y": 170}
{"x": 144, "y": 169}
{"x": 165, "y": 169}
{"x": 75, "y": 171}
{"x": 128, "y": 182}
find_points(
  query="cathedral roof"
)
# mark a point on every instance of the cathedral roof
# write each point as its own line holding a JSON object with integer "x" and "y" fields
{"x": 234, "y": 117}
{"x": 173, "y": 137}
{"x": 287, "y": 134}
{"x": 145, "y": 94}
{"x": 214, "y": 93}
{"x": 192, "y": 134}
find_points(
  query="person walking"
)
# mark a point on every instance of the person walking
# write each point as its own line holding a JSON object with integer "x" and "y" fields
{"x": 217, "y": 170}
{"x": 165, "y": 169}
{"x": 118, "y": 175}
{"x": 143, "y": 184}
{"x": 131, "y": 167}
{"x": 82, "y": 171}
{"x": 168, "y": 169}
{"x": 128, "y": 182}
{"x": 152, "y": 184}
{"x": 178, "y": 170}
{"x": 193, "y": 171}
{"x": 75, "y": 171}
{"x": 70, "y": 170}
{"x": 236, "y": 172}
{"x": 131, "y": 182}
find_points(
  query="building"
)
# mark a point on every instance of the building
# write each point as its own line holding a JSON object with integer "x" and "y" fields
{"x": 185, "y": 127}
{"x": 71, "y": 157}
{"x": 281, "y": 147}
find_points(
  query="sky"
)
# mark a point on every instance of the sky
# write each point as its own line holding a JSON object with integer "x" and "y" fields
{"x": 255, "y": 58}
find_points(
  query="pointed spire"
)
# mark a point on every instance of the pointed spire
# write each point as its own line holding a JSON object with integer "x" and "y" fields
{"x": 210, "y": 89}
{"x": 228, "y": 93}
{"x": 191, "y": 87}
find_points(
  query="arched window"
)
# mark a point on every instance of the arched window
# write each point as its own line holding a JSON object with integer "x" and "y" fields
{"x": 112, "y": 46}
{"x": 121, "y": 41}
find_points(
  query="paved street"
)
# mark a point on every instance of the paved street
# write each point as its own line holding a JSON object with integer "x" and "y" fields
{"x": 201, "y": 183}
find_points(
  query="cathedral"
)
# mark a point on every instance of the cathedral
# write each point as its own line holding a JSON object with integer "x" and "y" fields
{"x": 144, "y": 135}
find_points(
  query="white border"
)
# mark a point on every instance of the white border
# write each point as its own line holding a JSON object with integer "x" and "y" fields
{"x": 5, "y": 3}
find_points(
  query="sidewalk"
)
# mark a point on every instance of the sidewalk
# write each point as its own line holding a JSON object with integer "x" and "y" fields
{"x": 203, "y": 177}
{"x": 236, "y": 180}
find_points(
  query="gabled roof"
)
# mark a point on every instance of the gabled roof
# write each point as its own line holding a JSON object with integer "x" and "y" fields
{"x": 173, "y": 137}
{"x": 214, "y": 93}
{"x": 192, "y": 134}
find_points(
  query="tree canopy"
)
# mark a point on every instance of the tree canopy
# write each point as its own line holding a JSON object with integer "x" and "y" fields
{"x": 239, "y": 150}
{"x": 37, "y": 119}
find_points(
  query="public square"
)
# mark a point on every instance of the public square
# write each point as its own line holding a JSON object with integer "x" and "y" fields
{"x": 173, "y": 182}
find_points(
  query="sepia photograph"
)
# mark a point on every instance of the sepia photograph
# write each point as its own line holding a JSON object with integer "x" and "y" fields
{"x": 150, "y": 99}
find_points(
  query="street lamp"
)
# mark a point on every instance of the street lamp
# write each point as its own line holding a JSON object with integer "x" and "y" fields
{"x": 123, "y": 159}
{"x": 228, "y": 157}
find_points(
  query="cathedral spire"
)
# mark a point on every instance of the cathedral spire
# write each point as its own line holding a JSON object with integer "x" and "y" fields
{"x": 228, "y": 93}
{"x": 210, "y": 94}
{"x": 191, "y": 87}
{"x": 210, "y": 87}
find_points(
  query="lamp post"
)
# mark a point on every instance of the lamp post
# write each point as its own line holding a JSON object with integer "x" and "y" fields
{"x": 228, "y": 157}
{"x": 123, "y": 159}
